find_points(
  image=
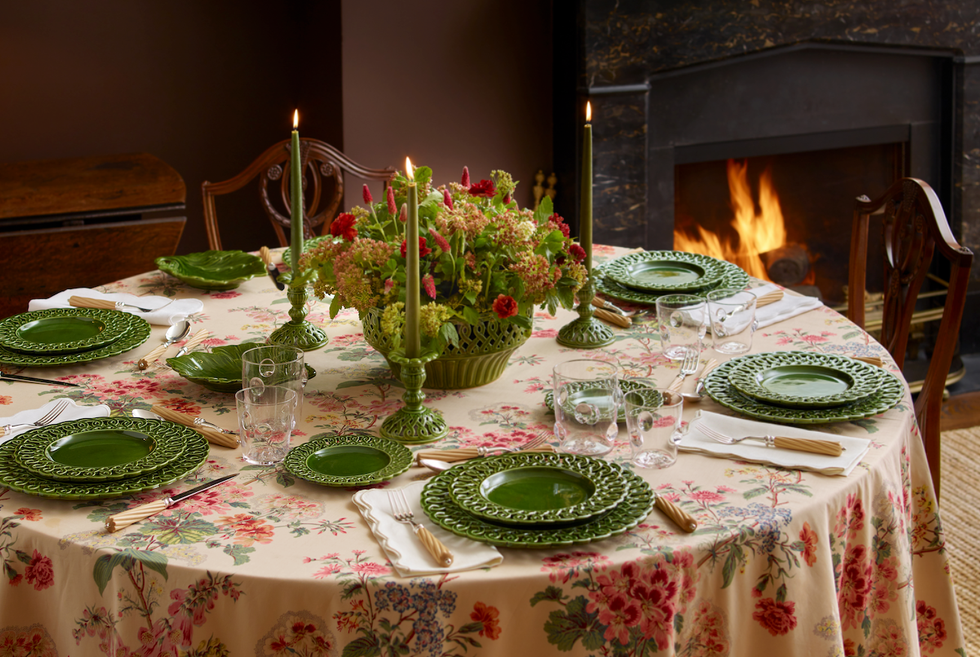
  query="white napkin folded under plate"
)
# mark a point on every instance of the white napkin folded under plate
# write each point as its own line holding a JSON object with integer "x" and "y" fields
{"x": 168, "y": 312}
{"x": 72, "y": 412}
{"x": 756, "y": 452}
{"x": 405, "y": 552}
{"x": 789, "y": 306}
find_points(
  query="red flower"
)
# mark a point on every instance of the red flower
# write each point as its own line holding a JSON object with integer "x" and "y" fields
{"x": 488, "y": 616}
{"x": 440, "y": 240}
{"x": 429, "y": 284}
{"x": 809, "y": 538}
{"x": 343, "y": 225}
{"x": 39, "y": 572}
{"x": 368, "y": 199}
{"x": 424, "y": 249}
{"x": 447, "y": 199}
{"x": 484, "y": 189}
{"x": 465, "y": 180}
{"x": 28, "y": 514}
{"x": 577, "y": 252}
{"x": 506, "y": 199}
{"x": 505, "y": 306}
{"x": 403, "y": 213}
{"x": 392, "y": 208}
{"x": 777, "y": 617}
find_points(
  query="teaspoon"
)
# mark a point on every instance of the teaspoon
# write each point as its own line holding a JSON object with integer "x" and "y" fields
{"x": 174, "y": 334}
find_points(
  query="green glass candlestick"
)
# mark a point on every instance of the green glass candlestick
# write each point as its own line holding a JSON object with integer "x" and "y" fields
{"x": 586, "y": 332}
{"x": 298, "y": 332}
{"x": 413, "y": 423}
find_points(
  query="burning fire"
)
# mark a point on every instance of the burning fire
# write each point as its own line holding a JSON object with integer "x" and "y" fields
{"x": 754, "y": 233}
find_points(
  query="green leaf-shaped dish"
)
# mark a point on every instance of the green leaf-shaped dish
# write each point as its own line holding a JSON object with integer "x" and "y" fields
{"x": 220, "y": 369}
{"x": 213, "y": 270}
{"x": 348, "y": 460}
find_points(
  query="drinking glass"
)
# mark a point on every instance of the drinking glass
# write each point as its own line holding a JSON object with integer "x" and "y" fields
{"x": 265, "y": 422}
{"x": 731, "y": 314}
{"x": 682, "y": 319}
{"x": 587, "y": 400}
{"x": 653, "y": 418}
{"x": 276, "y": 365}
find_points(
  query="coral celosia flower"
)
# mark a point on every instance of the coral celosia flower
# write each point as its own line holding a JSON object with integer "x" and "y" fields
{"x": 429, "y": 285}
{"x": 368, "y": 200}
{"x": 403, "y": 213}
{"x": 440, "y": 240}
{"x": 392, "y": 208}
{"x": 465, "y": 180}
{"x": 447, "y": 199}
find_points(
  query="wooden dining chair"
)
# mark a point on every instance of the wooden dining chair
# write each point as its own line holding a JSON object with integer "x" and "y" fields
{"x": 914, "y": 228}
{"x": 323, "y": 167}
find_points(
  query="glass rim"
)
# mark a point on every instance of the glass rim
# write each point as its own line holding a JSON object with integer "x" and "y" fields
{"x": 298, "y": 354}
{"x": 723, "y": 295}
{"x": 686, "y": 299}
{"x": 290, "y": 396}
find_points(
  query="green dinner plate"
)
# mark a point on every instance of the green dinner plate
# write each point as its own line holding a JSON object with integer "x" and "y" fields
{"x": 537, "y": 488}
{"x": 100, "y": 449}
{"x": 139, "y": 331}
{"x": 62, "y": 330}
{"x": 16, "y": 478}
{"x": 220, "y": 369}
{"x": 348, "y": 460}
{"x": 213, "y": 270}
{"x": 665, "y": 272}
{"x": 804, "y": 380}
{"x": 440, "y": 507}
{"x": 733, "y": 276}
{"x": 888, "y": 393}
{"x": 583, "y": 393}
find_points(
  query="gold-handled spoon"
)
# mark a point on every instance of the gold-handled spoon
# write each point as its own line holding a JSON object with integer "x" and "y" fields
{"x": 175, "y": 333}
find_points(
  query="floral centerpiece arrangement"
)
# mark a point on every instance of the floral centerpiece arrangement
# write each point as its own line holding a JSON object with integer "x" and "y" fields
{"x": 481, "y": 258}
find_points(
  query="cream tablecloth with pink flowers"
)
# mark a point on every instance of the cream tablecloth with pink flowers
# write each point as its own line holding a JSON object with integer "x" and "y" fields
{"x": 784, "y": 562}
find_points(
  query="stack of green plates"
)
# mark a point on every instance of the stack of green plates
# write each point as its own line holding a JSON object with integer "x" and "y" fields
{"x": 645, "y": 276}
{"x": 537, "y": 499}
{"x": 62, "y": 336}
{"x": 803, "y": 388}
{"x": 100, "y": 458}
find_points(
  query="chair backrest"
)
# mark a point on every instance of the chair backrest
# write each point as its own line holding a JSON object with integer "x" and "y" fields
{"x": 320, "y": 162}
{"x": 914, "y": 228}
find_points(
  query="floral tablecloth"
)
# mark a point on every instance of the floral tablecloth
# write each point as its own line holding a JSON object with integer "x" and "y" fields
{"x": 784, "y": 562}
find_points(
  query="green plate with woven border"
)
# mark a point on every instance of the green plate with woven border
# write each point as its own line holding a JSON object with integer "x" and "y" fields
{"x": 213, "y": 270}
{"x": 537, "y": 488}
{"x": 889, "y": 392}
{"x": 442, "y": 510}
{"x": 733, "y": 277}
{"x": 348, "y": 460}
{"x": 625, "y": 386}
{"x": 100, "y": 449}
{"x": 16, "y": 478}
{"x": 804, "y": 380}
{"x": 62, "y": 330}
{"x": 139, "y": 331}
{"x": 665, "y": 272}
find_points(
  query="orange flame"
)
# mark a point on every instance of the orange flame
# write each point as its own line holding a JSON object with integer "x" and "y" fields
{"x": 754, "y": 232}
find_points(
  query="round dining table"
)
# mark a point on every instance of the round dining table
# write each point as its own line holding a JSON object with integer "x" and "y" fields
{"x": 784, "y": 561}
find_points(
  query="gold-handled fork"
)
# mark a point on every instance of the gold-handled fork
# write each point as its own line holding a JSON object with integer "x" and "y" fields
{"x": 688, "y": 366}
{"x": 402, "y": 512}
{"x": 43, "y": 421}
{"x": 814, "y": 446}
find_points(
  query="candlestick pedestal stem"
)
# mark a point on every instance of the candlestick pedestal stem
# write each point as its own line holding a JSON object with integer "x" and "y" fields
{"x": 586, "y": 332}
{"x": 413, "y": 423}
{"x": 298, "y": 332}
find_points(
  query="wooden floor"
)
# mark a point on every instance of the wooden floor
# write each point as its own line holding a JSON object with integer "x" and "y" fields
{"x": 961, "y": 411}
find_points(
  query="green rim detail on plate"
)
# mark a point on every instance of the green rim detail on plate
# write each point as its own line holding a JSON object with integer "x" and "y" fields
{"x": 625, "y": 386}
{"x": 18, "y": 479}
{"x": 62, "y": 330}
{"x": 803, "y": 380}
{"x": 348, "y": 460}
{"x": 101, "y": 449}
{"x": 220, "y": 369}
{"x": 733, "y": 277}
{"x": 888, "y": 393}
{"x": 213, "y": 270}
{"x": 664, "y": 272}
{"x": 138, "y": 332}
{"x": 537, "y": 488}
{"x": 443, "y": 511}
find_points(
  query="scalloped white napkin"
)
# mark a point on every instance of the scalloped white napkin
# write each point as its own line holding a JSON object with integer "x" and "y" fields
{"x": 790, "y": 305}
{"x": 168, "y": 312}
{"x": 73, "y": 412}
{"x": 756, "y": 452}
{"x": 404, "y": 550}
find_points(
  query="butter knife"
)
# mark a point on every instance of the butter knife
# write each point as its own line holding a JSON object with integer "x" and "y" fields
{"x": 272, "y": 270}
{"x": 198, "y": 338}
{"x": 709, "y": 365}
{"x": 130, "y": 516}
{"x": 31, "y": 379}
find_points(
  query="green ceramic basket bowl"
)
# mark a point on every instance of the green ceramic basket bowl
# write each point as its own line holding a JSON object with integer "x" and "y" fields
{"x": 213, "y": 270}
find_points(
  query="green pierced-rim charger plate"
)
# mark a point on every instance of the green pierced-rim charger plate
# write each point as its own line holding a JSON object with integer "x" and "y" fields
{"x": 62, "y": 330}
{"x": 213, "y": 270}
{"x": 537, "y": 488}
{"x": 625, "y": 386}
{"x": 665, "y": 272}
{"x": 443, "y": 511}
{"x": 220, "y": 369}
{"x": 803, "y": 380}
{"x": 139, "y": 331}
{"x": 733, "y": 276}
{"x": 888, "y": 393}
{"x": 348, "y": 460}
{"x": 100, "y": 449}
{"x": 16, "y": 478}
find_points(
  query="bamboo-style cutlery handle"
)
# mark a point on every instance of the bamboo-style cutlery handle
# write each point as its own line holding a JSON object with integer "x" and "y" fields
{"x": 130, "y": 516}
{"x": 828, "y": 447}
{"x": 88, "y": 302}
{"x": 213, "y": 436}
{"x": 465, "y": 453}
{"x": 266, "y": 256}
{"x": 680, "y": 517}
{"x": 771, "y": 297}
{"x": 198, "y": 338}
{"x": 152, "y": 356}
{"x": 434, "y": 546}
{"x": 612, "y": 318}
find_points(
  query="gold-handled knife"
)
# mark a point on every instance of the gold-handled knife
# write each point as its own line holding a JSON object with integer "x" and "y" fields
{"x": 130, "y": 516}
{"x": 680, "y": 517}
{"x": 31, "y": 379}
{"x": 216, "y": 436}
{"x": 198, "y": 338}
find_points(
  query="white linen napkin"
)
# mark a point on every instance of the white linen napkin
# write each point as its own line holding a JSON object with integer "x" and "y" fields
{"x": 405, "y": 552}
{"x": 72, "y": 412}
{"x": 756, "y": 452}
{"x": 790, "y": 305}
{"x": 168, "y": 312}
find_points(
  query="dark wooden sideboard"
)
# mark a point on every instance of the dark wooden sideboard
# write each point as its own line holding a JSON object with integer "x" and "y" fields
{"x": 83, "y": 222}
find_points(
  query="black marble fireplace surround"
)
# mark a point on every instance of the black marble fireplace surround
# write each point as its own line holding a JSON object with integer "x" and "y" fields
{"x": 679, "y": 82}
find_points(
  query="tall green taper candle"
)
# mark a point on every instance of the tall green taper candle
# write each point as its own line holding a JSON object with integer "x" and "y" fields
{"x": 295, "y": 199}
{"x": 412, "y": 288}
{"x": 585, "y": 213}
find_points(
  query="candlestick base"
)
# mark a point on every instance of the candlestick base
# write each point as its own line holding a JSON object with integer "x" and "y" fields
{"x": 298, "y": 332}
{"x": 586, "y": 332}
{"x": 413, "y": 423}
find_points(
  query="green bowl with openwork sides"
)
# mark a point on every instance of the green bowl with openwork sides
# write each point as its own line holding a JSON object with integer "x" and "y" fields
{"x": 220, "y": 369}
{"x": 213, "y": 270}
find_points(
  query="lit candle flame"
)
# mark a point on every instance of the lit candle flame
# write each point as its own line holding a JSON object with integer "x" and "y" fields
{"x": 588, "y": 111}
{"x": 408, "y": 169}
{"x": 295, "y": 119}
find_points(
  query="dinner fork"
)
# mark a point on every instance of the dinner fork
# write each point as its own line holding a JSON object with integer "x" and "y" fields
{"x": 531, "y": 444}
{"x": 43, "y": 421}
{"x": 402, "y": 512}
{"x": 827, "y": 447}
{"x": 688, "y": 366}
